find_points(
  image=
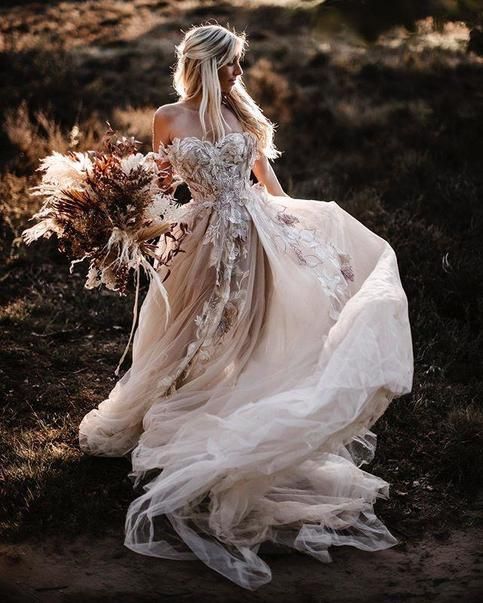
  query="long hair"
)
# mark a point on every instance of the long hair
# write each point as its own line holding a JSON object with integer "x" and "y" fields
{"x": 201, "y": 53}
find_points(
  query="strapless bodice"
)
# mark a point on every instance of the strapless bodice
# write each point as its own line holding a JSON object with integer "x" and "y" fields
{"x": 213, "y": 170}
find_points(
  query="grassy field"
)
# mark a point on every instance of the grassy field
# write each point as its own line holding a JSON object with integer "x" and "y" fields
{"x": 392, "y": 132}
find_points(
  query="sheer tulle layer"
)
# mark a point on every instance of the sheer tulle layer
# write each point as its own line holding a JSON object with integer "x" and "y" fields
{"x": 256, "y": 416}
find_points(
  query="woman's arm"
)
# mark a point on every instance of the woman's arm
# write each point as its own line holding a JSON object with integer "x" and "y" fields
{"x": 266, "y": 176}
{"x": 161, "y": 134}
{"x": 161, "y": 127}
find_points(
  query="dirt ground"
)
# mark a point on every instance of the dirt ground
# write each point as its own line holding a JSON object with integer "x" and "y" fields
{"x": 392, "y": 131}
{"x": 442, "y": 567}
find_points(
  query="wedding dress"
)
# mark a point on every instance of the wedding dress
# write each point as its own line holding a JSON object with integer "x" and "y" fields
{"x": 247, "y": 414}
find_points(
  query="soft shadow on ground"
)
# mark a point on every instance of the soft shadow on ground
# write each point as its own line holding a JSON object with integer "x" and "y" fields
{"x": 438, "y": 568}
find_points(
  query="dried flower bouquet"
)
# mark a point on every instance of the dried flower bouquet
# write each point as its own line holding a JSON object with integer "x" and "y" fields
{"x": 109, "y": 207}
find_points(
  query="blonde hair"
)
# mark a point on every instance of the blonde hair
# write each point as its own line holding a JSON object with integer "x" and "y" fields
{"x": 203, "y": 50}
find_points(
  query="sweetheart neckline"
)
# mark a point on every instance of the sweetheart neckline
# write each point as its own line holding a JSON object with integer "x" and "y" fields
{"x": 208, "y": 142}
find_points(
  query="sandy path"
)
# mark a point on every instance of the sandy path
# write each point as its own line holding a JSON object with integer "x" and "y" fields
{"x": 433, "y": 569}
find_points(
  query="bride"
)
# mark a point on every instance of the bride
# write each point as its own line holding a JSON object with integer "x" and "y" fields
{"x": 247, "y": 412}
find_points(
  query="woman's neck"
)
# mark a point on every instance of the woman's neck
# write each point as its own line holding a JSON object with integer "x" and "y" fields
{"x": 193, "y": 104}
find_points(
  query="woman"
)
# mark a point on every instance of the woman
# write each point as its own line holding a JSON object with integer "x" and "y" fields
{"x": 247, "y": 416}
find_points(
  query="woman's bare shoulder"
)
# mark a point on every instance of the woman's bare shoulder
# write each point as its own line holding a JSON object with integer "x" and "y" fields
{"x": 164, "y": 119}
{"x": 169, "y": 111}
{"x": 168, "y": 117}
{"x": 161, "y": 125}
{"x": 165, "y": 114}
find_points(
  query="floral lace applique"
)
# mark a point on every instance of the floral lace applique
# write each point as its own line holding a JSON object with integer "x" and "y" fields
{"x": 218, "y": 175}
{"x": 220, "y": 313}
{"x": 346, "y": 266}
{"x": 286, "y": 218}
{"x": 332, "y": 266}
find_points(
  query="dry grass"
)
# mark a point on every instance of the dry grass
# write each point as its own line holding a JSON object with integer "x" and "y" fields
{"x": 392, "y": 132}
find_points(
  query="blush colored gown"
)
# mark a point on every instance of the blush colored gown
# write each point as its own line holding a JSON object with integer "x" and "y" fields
{"x": 247, "y": 414}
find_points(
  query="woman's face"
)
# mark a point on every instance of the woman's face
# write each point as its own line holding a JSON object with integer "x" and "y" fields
{"x": 228, "y": 74}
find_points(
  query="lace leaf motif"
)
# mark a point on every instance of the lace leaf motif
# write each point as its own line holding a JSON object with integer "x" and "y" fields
{"x": 218, "y": 176}
{"x": 332, "y": 266}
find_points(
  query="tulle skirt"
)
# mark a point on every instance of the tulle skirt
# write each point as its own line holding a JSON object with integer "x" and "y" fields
{"x": 247, "y": 413}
